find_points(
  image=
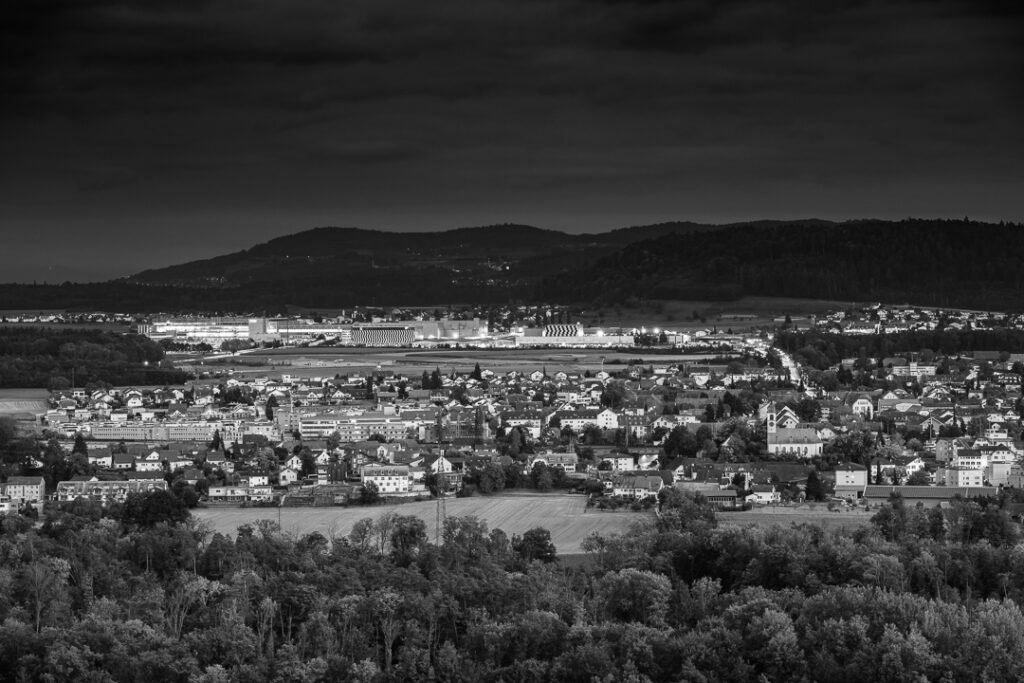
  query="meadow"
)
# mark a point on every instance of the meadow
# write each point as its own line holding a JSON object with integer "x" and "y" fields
{"x": 818, "y": 515}
{"x": 564, "y": 515}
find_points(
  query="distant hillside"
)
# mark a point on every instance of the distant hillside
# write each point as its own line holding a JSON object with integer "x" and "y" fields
{"x": 296, "y": 255}
{"x": 926, "y": 262}
{"x": 647, "y": 232}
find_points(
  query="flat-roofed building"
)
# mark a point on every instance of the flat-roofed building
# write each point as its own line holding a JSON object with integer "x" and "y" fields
{"x": 389, "y": 479}
{"x": 21, "y": 490}
{"x": 105, "y": 491}
{"x": 352, "y": 427}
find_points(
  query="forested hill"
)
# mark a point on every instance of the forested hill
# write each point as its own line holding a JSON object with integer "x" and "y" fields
{"x": 520, "y": 248}
{"x": 926, "y": 262}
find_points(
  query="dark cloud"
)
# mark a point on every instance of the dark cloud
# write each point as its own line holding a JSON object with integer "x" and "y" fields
{"x": 165, "y": 131}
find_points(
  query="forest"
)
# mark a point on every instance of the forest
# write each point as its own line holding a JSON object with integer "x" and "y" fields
{"x": 821, "y": 350}
{"x": 146, "y": 594}
{"x": 54, "y": 358}
{"x": 951, "y": 263}
{"x": 958, "y": 263}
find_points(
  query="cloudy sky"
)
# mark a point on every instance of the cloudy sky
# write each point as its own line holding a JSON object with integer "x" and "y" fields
{"x": 142, "y": 133}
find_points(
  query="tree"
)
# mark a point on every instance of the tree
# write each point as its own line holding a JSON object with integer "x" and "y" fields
{"x": 919, "y": 478}
{"x": 269, "y": 408}
{"x": 408, "y": 539}
{"x": 477, "y": 374}
{"x": 593, "y": 435}
{"x": 333, "y": 441}
{"x": 152, "y": 508}
{"x": 681, "y": 442}
{"x": 534, "y": 544}
{"x": 634, "y": 595}
{"x": 541, "y": 477}
{"x": 515, "y": 442}
{"x": 369, "y": 494}
{"x": 815, "y": 486}
{"x": 217, "y": 443}
{"x": 613, "y": 395}
{"x": 43, "y": 581}
{"x": 80, "y": 447}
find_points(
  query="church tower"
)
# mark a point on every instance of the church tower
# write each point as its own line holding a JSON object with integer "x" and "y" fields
{"x": 772, "y": 418}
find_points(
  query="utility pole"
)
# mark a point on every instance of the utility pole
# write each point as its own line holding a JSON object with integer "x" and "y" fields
{"x": 442, "y": 514}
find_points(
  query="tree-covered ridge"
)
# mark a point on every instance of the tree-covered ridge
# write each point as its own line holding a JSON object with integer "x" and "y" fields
{"x": 824, "y": 349}
{"x": 52, "y": 357}
{"x": 926, "y": 262}
{"x": 918, "y": 595}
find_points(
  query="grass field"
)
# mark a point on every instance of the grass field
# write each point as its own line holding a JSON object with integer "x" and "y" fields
{"x": 819, "y": 516}
{"x": 755, "y": 311}
{"x": 319, "y": 362}
{"x": 565, "y": 516}
{"x": 23, "y": 401}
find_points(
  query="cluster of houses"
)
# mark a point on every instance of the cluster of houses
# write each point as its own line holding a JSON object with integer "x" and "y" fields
{"x": 880, "y": 318}
{"x": 17, "y": 492}
{"x": 155, "y": 414}
{"x": 252, "y": 439}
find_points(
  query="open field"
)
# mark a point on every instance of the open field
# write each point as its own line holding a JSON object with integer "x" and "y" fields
{"x": 562, "y": 514}
{"x": 745, "y": 313}
{"x": 318, "y": 361}
{"x": 819, "y": 516}
{"x": 23, "y": 401}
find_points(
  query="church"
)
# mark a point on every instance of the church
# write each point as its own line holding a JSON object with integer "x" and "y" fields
{"x": 785, "y": 439}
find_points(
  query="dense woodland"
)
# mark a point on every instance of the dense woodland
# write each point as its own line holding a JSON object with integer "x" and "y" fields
{"x": 823, "y": 349}
{"x": 927, "y": 262}
{"x": 145, "y": 594}
{"x": 54, "y": 357}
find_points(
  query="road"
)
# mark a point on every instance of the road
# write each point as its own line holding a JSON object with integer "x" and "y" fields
{"x": 791, "y": 365}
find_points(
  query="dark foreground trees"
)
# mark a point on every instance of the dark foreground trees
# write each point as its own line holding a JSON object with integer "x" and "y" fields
{"x": 919, "y": 594}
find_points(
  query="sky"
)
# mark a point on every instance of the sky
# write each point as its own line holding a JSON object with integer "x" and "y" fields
{"x": 141, "y": 133}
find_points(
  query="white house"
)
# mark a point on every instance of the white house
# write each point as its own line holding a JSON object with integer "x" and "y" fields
{"x": 638, "y": 487}
{"x": 389, "y": 479}
{"x": 764, "y": 494}
{"x": 149, "y": 463}
{"x": 851, "y": 480}
{"x": 21, "y": 490}
{"x": 287, "y": 475}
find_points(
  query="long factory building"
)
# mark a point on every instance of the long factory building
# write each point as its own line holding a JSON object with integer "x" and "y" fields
{"x": 215, "y": 331}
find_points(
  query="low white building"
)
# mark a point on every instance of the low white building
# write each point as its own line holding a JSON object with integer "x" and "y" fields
{"x": 638, "y": 487}
{"x": 389, "y": 479}
{"x": 21, "y": 490}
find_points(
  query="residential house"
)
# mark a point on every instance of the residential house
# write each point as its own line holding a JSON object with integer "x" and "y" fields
{"x": 851, "y": 480}
{"x": 641, "y": 486}
{"x": 389, "y": 479}
{"x": 619, "y": 462}
{"x": 123, "y": 461}
{"x": 764, "y": 494}
{"x": 149, "y": 463}
{"x": 566, "y": 461}
{"x": 287, "y": 476}
{"x": 961, "y": 476}
{"x": 438, "y": 464}
{"x": 21, "y": 490}
{"x": 104, "y": 492}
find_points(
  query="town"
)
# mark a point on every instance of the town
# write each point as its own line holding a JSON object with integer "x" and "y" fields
{"x": 753, "y": 425}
